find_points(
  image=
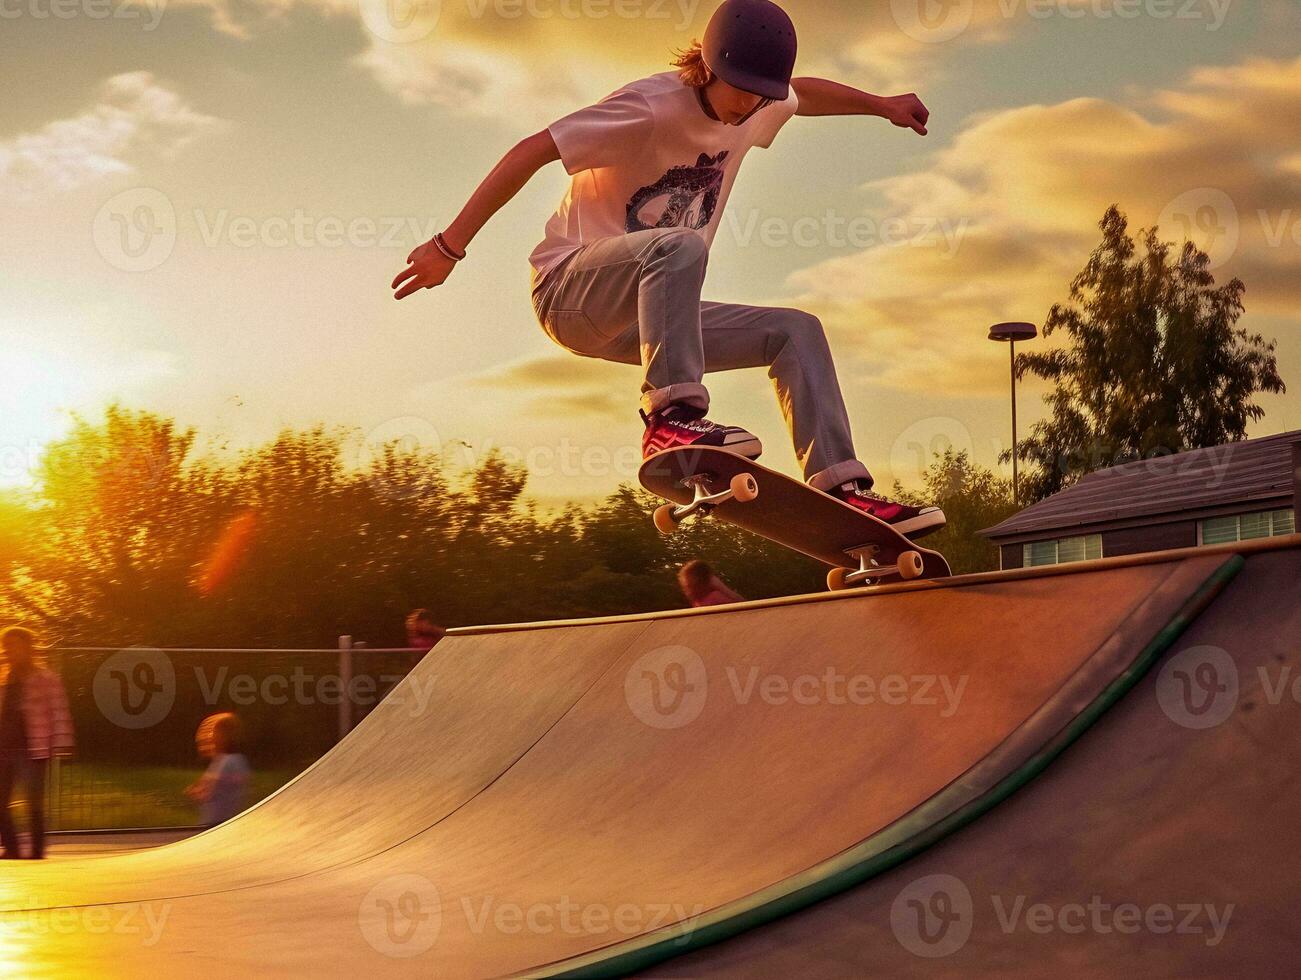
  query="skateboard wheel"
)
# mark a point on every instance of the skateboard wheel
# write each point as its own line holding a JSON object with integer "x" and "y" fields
{"x": 665, "y": 520}
{"x": 744, "y": 488}
{"x": 836, "y": 579}
{"x": 911, "y": 565}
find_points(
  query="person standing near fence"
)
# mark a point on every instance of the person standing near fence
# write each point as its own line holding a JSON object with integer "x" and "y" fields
{"x": 222, "y": 791}
{"x": 35, "y": 726}
{"x": 423, "y": 633}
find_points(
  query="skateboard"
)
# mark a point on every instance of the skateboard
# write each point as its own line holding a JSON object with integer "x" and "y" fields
{"x": 860, "y": 549}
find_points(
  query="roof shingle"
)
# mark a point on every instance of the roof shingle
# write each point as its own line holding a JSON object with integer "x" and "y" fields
{"x": 1237, "y": 472}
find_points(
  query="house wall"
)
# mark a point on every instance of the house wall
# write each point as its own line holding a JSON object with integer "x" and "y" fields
{"x": 1135, "y": 540}
{"x": 1151, "y": 537}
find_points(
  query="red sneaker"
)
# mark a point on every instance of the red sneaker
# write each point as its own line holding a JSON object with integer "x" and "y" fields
{"x": 681, "y": 425}
{"x": 912, "y": 522}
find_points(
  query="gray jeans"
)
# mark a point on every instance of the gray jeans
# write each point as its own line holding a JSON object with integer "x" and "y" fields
{"x": 635, "y": 299}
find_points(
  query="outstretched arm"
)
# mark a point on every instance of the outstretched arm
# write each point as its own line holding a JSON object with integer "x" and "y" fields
{"x": 427, "y": 265}
{"x": 820, "y": 97}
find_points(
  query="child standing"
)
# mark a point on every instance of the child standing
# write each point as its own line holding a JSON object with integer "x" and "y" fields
{"x": 222, "y": 791}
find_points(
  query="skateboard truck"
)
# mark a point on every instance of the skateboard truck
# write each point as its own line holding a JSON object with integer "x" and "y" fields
{"x": 743, "y": 488}
{"x": 909, "y": 565}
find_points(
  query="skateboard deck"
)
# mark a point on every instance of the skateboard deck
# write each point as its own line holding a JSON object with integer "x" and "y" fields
{"x": 859, "y": 547}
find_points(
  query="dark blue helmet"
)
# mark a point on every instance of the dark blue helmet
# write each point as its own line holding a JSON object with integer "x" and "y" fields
{"x": 751, "y": 44}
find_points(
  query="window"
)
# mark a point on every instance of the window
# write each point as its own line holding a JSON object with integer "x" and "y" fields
{"x": 1062, "y": 550}
{"x": 1244, "y": 527}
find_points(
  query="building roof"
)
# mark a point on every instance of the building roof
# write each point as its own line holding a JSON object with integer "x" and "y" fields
{"x": 1237, "y": 472}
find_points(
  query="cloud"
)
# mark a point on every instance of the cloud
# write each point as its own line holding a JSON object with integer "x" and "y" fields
{"x": 134, "y": 115}
{"x": 566, "y": 386}
{"x": 1213, "y": 160}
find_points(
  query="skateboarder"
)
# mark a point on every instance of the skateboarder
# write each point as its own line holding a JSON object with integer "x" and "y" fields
{"x": 619, "y": 273}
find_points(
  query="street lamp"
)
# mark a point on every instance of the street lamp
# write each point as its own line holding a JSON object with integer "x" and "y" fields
{"x": 1011, "y": 333}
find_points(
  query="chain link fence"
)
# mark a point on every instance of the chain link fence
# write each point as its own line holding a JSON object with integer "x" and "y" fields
{"x": 136, "y": 711}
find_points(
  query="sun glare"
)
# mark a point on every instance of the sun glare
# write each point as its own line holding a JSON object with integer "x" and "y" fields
{"x": 37, "y": 390}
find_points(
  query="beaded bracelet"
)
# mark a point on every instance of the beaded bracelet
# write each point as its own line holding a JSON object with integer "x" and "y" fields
{"x": 441, "y": 243}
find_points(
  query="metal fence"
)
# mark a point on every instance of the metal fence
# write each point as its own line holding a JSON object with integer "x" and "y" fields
{"x": 136, "y": 711}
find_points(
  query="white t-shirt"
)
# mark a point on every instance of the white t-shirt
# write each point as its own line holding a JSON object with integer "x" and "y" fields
{"x": 648, "y": 156}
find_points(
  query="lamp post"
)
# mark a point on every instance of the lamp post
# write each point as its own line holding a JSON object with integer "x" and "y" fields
{"x": 1011, "y": 333}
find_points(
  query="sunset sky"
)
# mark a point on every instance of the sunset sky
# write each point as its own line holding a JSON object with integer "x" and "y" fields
{"x": 202, "y": 205}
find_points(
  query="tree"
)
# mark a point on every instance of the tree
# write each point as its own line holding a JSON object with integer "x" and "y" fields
{"x": 972, "y": 498}
{"x": 1154, "y": 361}
{"x": 123, "y": 513}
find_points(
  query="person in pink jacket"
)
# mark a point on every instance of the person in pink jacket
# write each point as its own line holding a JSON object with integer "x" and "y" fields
{"x": 35, "y": 726}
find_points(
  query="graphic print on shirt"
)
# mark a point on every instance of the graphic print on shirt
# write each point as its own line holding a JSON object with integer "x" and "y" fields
{"x": 685, "y": 197}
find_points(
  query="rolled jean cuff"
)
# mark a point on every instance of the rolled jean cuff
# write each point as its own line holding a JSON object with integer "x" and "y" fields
{"x": 693, "y": 394}
{"x": 834, "y": 476}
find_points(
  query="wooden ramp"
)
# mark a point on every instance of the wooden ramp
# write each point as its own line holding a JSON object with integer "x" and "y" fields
{"x": 596, "y": 797}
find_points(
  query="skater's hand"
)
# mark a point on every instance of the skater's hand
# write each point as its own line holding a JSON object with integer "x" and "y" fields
{"x": 427, "y": 267}
{"x": 907, "y": 112}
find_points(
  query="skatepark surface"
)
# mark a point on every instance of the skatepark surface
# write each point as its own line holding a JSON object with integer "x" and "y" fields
{"x": 977, "y": 776}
